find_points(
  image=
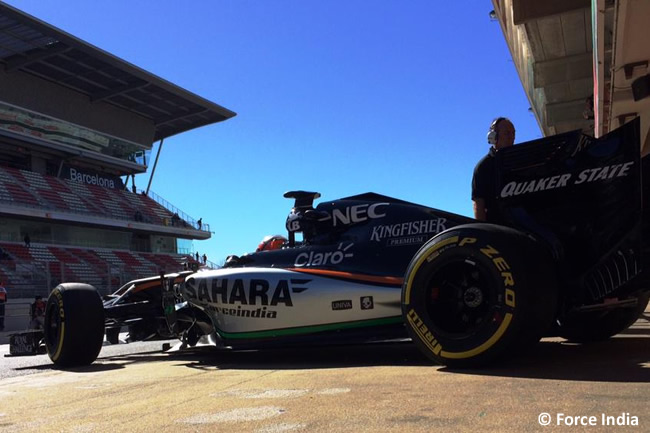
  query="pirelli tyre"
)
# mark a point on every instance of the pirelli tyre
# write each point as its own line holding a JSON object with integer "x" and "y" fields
{"x": 74, "y": 324}
{"x": 600, "y": 325}
{"x": 477, "y": 292}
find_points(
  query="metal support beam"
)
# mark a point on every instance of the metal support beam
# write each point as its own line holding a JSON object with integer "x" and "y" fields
{"x": 16, "y": 64}
{"x": 598, "y": 65}
{"x": 153, "y": 171}
{"x": 117, "y": 91}
{"x": 58, "y": 173}
{"x": 173, "y": 118}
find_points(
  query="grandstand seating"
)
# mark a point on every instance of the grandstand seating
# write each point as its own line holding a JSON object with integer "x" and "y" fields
{"x": 29, "y": 271}
{"x": 35, "y": 269}
{"x": 29, "y": 188}
{"x": 17, "y": 250}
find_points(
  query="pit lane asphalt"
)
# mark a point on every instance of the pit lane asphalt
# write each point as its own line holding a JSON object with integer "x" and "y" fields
{"x": 380, "y": 388}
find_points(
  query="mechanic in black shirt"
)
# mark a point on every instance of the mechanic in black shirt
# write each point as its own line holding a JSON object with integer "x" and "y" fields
{"x": 500, "y": 135}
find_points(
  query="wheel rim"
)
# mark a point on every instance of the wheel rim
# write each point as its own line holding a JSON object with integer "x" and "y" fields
{"x": 460, "y": 299}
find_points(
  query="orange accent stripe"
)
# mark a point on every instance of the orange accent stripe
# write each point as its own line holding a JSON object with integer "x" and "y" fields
{"x": 154, "y": 283}
{"x": 360, "y": 277}
{"x": 145, "y": 286}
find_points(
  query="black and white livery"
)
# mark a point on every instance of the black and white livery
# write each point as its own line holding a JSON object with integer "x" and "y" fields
{"x": 570, "y": 260}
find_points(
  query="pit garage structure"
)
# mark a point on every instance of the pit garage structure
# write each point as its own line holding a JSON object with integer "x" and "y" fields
{"x": 584, "y": 64}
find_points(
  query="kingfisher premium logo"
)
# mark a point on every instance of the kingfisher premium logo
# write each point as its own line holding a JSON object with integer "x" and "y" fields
{"x": 408, "y": 233}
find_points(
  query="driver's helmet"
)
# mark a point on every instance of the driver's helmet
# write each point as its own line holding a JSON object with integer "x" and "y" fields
{"x": 271, "y": 242}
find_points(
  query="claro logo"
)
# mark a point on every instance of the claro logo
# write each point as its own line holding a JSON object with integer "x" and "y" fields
{"x": 312, "y": 258}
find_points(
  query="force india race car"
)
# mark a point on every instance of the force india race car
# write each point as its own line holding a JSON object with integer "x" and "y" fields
{"x": 571, "y": 260}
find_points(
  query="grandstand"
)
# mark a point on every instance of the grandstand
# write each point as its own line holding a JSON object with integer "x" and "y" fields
{"x": 76, "y": 125}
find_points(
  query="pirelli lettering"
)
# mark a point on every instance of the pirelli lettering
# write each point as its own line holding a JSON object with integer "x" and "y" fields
{"x": 59, "y": 346}
{"x": 504, "y": 268}
{"x": 59, "y": 302}
{"x": 423, "y": 332}
{"x": 467, "y": 241}
{"x": 440, "y": 246}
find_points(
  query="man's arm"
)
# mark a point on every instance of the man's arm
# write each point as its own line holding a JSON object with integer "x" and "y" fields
{"x": 479, "y": 209}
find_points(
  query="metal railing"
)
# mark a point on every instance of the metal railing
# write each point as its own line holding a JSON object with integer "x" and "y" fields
{"x": 176, "y": 211}
{"x": 209, "y": 264}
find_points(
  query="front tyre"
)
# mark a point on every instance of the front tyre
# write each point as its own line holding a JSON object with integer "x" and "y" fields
{"x": 476, "y": 292}
{"x": 74, "y": 324}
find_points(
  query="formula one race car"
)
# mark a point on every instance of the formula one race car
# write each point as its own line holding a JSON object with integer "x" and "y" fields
{"x": 569, "y": 260}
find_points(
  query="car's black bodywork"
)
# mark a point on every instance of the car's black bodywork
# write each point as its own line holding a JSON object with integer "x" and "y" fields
{"x": 586, "y": 205}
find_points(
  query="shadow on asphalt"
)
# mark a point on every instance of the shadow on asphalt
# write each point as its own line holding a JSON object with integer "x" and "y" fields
{"x": 394, "y": 354}
{"x": 615, "y": 360}
{"x": 93, "y": 368}
{"x": 622, "y": 359}
{"x": 625, "y": 358}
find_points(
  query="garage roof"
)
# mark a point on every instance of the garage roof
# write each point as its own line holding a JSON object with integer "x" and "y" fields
{"x": 551, "y": 45}
{"x": 37, "y": 48}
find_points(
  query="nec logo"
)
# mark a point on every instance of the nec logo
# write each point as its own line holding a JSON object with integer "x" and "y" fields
{"x": 358, "y": 213}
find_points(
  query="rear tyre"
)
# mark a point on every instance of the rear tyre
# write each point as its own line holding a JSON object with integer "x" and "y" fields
{"x": 601, "y": 325}
{"x": 477, "y": 292}
{"x": 74, "y": 324}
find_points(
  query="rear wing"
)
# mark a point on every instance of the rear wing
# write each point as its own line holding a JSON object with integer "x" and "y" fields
{"x": 584, "y": 197}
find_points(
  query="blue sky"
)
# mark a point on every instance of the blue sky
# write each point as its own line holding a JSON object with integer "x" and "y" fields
{"x": 340, "y": 97}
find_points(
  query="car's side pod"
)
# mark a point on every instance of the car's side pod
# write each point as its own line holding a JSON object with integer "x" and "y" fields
{"x": 477, "y": 292}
